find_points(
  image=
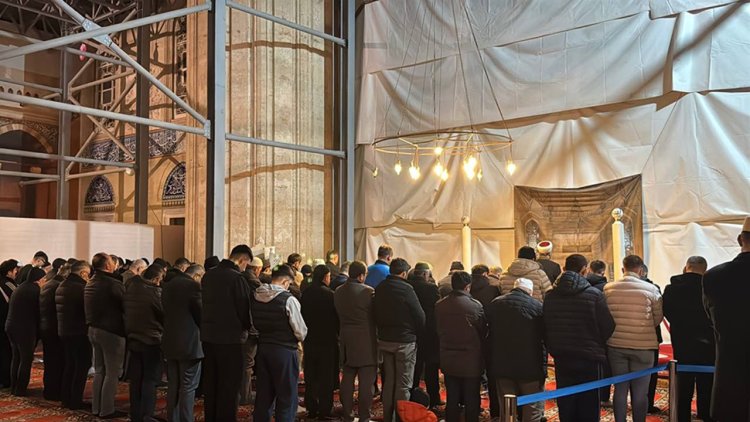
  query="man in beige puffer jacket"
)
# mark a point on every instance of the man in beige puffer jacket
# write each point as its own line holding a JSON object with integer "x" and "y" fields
{"x": 636, "y": 306}
{"x": 526, "y": 267}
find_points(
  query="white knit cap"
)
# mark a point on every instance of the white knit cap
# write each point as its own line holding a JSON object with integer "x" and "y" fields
{"x": 256, "y": 262}
{"x": 524, "y": 284}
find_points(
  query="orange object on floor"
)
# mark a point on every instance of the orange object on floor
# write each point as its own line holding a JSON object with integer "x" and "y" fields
{"x": 414, "y": 412}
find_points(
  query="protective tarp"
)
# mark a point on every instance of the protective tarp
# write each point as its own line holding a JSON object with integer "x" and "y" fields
{"x": 575, "y": 124}
{"x": 661, "y": 8}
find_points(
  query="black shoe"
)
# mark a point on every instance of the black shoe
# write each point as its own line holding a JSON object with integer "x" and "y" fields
{"x": 115, "y": 415}
{"x": 653, "y": 409}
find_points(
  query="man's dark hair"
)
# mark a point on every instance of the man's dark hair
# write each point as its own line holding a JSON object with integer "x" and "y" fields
{"x": 698, "y": 263}
{"x": 357, "y": 268}
{"x": 527, "y": 252}
{"x": 57, "y": 263}
{"x": 41, "y": 254}
{"x": 241, "y": 251}
{"x": 8, "y": 266}
{"x": 597, "y": 266}
{"x": 480, "y": 269}
{"x": 575, "y": 263}
{"x": 99, "y": 261}
{"x": 460, "y": 279}
{"x": 282, "y": 270}
{"x": 71, "y": 261}
{"x": 194, "y": 269}
{"x": 457, "y": 265}
{"x": 345, "y": 266}
{"x": 294, "y": 258}
{"x": 153, "y": 271}
{"x": 385, "y": 251}
{"x": 422, "y": 269}
{"x": 162, "y": 263}
{"x": 79, "y": 266}
{"x": 146, "y": 261}
{"x": 306, "y": 270}
{"x": 331, "y": 254}
{"x": 319, "y": 273}
{"x": 210, "y": 263}
{"x": 182, "y": 262}
{"x": 745, "y": 237}
{"x": 399, "y": 265}
{"x": 632, "y": 263}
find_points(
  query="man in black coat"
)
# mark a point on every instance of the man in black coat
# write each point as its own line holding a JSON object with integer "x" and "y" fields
{"x": 725, "y": 293}
{"x": 40, "y": 260}
{"x": 179, "y": 268}
{"x": 692, "y": 337}
{"x": 550, "y": 267}
{"x": 598, "y": 279}
{"x": 399, "y": 318}
{"x": 22, "y": 327}
{"x": 71, "y": 327}
{"x": 54, "y": 356}
{"x": 428, "y": 345}
{"x": 144, "y": 325}
{"x": 485, "y": 292}
{"x": 250, "y": 348}
{"x": 462, "y": 330}
{"x": 181, "y": 341}
{"x": 8, "y": 271}
{"x": 519, "y": 361}
{"x": 577, "y": 325}
{"x": 225, "y": 324}
{"x": 105, "y": 318}
{"x": 321, "y": 344}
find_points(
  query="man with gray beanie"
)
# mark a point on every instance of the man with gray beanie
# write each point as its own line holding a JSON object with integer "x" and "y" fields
{"x": 517, "y": 346}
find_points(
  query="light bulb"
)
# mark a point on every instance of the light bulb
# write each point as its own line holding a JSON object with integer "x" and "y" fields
{"x": 129, "y": 171}
{"x": 444, "y": 175}
{"x": 397, "y": 167}
{"x": 375, "y": 172}
{"x": 414, "y": 172}
{"x": 438, "y": 150}
{"x": 438, "y": 168}
{"x": 511, "y": 167}
{"x": 479, "y": 175}
{"x": 470, "y": 173}
{"x": 472, "y": 161}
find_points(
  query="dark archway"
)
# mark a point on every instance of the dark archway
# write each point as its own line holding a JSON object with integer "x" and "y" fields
{"x": 38, "y": 200}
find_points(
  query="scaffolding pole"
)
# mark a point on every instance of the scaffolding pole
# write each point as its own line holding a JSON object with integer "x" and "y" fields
{"x": 285, "y": 145}
{"x": 350, "y": 126}
{"x": 63, "y": 143}
{"x": 216, "y": 172}
{"x": 45, "y": 156}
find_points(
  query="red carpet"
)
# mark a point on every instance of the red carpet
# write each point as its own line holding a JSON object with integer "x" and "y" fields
{"x": 35, "y": 408}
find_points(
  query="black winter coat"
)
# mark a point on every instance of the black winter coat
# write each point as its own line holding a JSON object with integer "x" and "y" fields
{"x": 71, "y": 314}
{"x": 597, "y": 281}
{"x": 181, "y": 302}
{"x": 320, "y": 316}
{"x": 551, "y": 268}
{"x": 103, "y": 300}
{"x": 8, "y": 286}
{"x": 517, "y": 337}
{"x": 483, "y": 291}
{"x": 692, "y": 336}
{"x": 172, "y": 273}
{"x": 462, "y": 330}
{"x": 144, "y": 315}
{"x": 428, "y": 344}
{"x": 23, "y": 311}
{"x": 726, "y": 288}
{"x": 398, "y": 314}
{"x": 226, "y": 305}
{"x": 577, "y": 321}
{"x": 48, "y": 308}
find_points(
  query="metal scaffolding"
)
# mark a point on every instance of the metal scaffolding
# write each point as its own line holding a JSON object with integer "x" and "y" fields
{"x": 118, "y": 16}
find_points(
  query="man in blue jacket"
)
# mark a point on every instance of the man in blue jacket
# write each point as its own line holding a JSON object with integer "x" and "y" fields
{"x": 378, "y": 271}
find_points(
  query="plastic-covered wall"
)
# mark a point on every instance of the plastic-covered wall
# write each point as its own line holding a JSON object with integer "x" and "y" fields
{"x": 591, "y": 90}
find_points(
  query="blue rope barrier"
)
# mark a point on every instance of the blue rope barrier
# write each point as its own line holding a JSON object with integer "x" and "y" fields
{"x": 580, "y": 388}
{"x": 700, "y": 369}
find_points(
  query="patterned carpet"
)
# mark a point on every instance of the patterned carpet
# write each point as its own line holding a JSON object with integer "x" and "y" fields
{"x": 35, "y": 408}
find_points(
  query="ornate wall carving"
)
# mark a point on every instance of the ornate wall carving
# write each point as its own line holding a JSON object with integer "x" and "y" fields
{"x": 173, "y": 193}
{"x": 46, "y": 134}
{"x": 100, "y": 196}
{"x": 162, "y": 143}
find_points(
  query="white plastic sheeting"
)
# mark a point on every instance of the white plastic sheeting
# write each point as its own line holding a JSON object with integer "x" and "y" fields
{"x": 588, "y": 103}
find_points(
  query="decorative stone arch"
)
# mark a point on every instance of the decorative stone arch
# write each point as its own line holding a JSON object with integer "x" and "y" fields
{"x": 35, "y": 130}
{"x": 100, "y": 196}
{"x": 533, "y": 233}
{"x": 173, "y": 193}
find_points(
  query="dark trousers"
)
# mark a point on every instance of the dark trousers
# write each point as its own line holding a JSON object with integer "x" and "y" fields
{"x": 144, "y": 373}
{"x": 428, "y": 371}
{"x": 581, "y": 407}
{"x": 183, "y": 376}
{"x": 464, "y": 391}
{"x": 249, "y": 349}
{"x": 222, "y": 377}
{"x": 54, "y": 365}
{"x": 77, "y": 363}
{"x": 365, "y": 376}
{"x": 22, "y": 349}
{"x": 606, "y": 392}
{"x": 277, "y": 376}
{"x": 686, "y": 384}
{"x": 6, "y": 355}
{"x": 320, "y": 365}
{"x": 652, "y": 381}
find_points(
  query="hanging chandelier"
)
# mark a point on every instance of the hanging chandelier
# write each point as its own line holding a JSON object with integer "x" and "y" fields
{"x": 468, "y": 144}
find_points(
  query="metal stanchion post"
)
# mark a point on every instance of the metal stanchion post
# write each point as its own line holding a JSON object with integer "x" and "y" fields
{"x": 672, "y": 390}
{"x": 509, "y": 408}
